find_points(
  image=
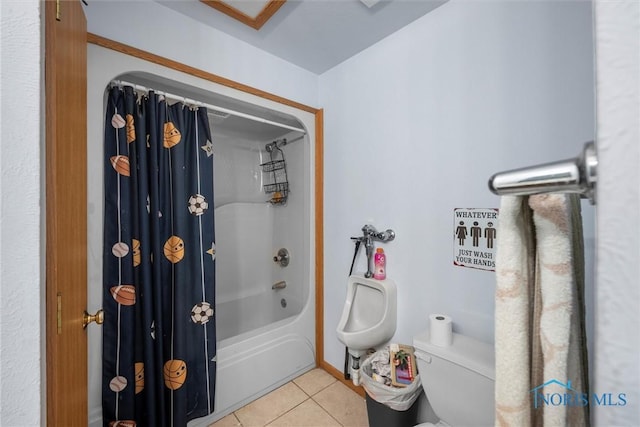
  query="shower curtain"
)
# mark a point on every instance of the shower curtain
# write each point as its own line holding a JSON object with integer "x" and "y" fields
{"x": 159, "y": 343}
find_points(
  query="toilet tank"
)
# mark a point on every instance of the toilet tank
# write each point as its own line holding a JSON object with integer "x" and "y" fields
{"x": 458, "y": 380}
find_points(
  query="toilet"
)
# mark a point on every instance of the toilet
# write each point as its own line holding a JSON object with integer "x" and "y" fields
{"x": 458, "y": 380}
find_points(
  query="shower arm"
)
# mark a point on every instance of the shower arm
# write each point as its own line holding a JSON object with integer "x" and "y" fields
{"x": 280, "y": 143}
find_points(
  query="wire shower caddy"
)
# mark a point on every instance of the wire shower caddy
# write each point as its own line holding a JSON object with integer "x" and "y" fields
{"x": 276, "y": 168}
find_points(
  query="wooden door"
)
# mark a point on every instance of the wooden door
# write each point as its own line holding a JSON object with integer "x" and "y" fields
{"x": 66, "y": 213}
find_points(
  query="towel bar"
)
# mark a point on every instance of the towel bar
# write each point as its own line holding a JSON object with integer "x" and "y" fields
{"x": 578, "y": 175}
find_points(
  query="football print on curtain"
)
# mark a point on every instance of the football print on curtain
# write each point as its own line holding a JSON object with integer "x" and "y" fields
{"x": 159, "y": 343}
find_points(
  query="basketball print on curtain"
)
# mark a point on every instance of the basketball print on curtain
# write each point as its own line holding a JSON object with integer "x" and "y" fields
{"x": 159, "y": 342}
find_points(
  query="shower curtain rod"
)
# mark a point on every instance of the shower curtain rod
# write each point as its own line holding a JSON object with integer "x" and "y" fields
{"x": 208, "y": 106}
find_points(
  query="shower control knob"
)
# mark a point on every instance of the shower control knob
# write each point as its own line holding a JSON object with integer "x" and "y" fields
{"x": 282, "y": 258}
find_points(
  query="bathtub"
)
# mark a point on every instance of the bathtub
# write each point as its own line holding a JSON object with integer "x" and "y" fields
{"x": 259, "y": 360}
{"x": 252, "y": 313}
{"x": 265, "y": 336}
{"x": 262, "y": 357}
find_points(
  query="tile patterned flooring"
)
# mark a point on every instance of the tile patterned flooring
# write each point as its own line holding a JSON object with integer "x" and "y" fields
{"x": 315, "y": 399}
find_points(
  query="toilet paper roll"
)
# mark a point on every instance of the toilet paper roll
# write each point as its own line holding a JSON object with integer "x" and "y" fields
{"x": 441, "y": 330}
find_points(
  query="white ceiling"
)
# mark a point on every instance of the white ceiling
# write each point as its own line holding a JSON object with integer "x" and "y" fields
{"x": 315, "y": 34}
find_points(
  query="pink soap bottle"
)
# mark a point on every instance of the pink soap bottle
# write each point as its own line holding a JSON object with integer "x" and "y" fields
{"x": 379, "y": 265}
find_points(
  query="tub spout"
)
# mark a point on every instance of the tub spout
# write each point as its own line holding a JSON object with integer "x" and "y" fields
{"x": 279, "y": 285}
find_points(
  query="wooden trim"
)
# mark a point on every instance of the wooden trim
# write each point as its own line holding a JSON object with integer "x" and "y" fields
{"x": 256, "y": 23}
{"x": 52, "y": 358}
{"x": 319, "y": 203}
{"x": 65, "y": 212}
{"x": 339, "y": 376}
{"x": 268, "y": 11}
{"x": 175, "y": 65}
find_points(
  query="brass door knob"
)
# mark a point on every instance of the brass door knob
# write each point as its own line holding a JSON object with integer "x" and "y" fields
{"x": 88, "y": 318}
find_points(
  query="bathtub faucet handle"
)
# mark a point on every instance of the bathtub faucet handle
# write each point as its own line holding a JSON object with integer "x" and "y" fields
{"x": 282, "y": 257}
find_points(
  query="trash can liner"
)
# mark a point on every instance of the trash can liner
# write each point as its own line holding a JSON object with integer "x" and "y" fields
{"x": 397, "y": 398}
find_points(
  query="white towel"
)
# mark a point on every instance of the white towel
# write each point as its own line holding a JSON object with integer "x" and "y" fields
{"x": 514, "y": 272}
{"x": 539, "y": 310}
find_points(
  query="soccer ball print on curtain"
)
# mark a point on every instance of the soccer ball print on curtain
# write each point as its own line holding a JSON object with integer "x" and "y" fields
{"x": 159, "y": 343}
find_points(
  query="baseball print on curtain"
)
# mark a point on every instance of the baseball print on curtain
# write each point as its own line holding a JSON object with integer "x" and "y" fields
{"x": 159, "y": 334}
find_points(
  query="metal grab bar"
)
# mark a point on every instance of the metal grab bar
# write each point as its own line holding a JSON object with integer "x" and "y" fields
{"x": 577, "y": 175}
